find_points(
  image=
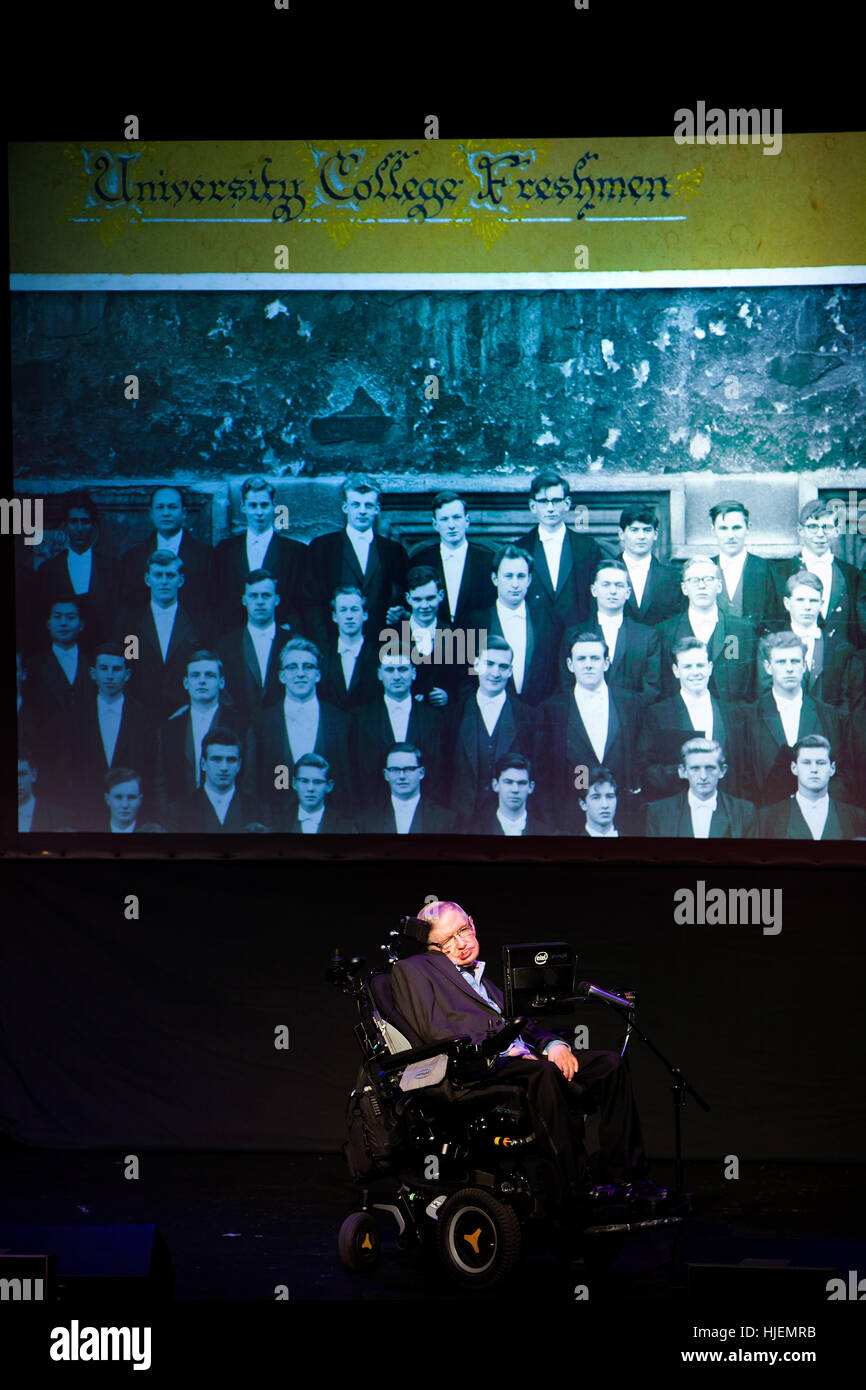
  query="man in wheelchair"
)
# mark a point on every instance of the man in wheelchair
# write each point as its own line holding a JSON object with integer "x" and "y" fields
{"x": 491, "y": 1124}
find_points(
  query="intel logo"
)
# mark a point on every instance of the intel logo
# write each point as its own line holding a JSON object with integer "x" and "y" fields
{"x": 541, "y": 958}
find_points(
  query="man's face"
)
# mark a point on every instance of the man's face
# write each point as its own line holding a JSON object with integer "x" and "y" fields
{"x": 203, "y": 682}
{"x": 693, "y": 670}
{"x": 451, "y": 522}
{"x": 220, "y": 766}
{"x": 124, "y": 802}
{"x": 638, "y": 538}
{"x": 311, "y": 787}
{"x": 462, "y": 949}
{"x": 813, "y": 769}
{"x": 731, "y": 531}
{"x": 493, "y": 669}
{"x": 599, "y": 806}
{"x": 361, "y": 509}
{"x": 258, "y": 509}
{"x": 403, "y": 774}
{"x": 588, "y": 664}
{"x": 610, "y": 590}
{"x": 64, "y": 624}
{"x": 703, "y": 772}
{"x": 512, "y": 582}
{"x": 164, "y": 582}
{"x": 26, "y": 780}
{"x": 349, "y": 614}
{"x": 110, "y": 674}
{"x": 786, "y": 666}
{"x": 261, "y": 600}
{"x": 396, "y": 674}
{"x": 512, "y": 788}
{"x": 818, "y": 533}
{"x": 80, "y": 530}
{"x": 804, "y": 605}
{"x": 550, "y": 507}
{"x": 300, "y": 674}
{"x": 166, "y": 511}
{"x": 702, "y": 586}
{"x": 424, "y": 603}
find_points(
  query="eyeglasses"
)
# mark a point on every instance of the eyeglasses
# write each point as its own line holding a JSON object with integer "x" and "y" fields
{"x": 819, "y": 525}
{"x": 449, "y": 941}
{"x": 700, "y": 579}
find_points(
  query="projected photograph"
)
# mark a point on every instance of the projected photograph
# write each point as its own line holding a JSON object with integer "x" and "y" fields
{"x": 534, "y": 563}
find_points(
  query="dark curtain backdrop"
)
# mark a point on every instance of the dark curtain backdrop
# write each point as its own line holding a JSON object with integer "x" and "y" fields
{"x": 159, "y": 1032}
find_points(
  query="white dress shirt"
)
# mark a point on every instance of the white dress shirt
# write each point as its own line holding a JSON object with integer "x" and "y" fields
{"x": 610, "y": 834}
{"x": 302, "y": 725}
{"x": 257, "y": 548}
{"x": 509, "y": 826}
{"x": 310, "y": 820}
{"x": 700, "y": 711}
{"x": 201, "y": 722}
{"x": 823, "y": 568}
{"x": 513, "y": 623}
{"x": 808, "y": 639}
{"x": 703, "y": 624}
{"x": 610, "y": 624}
{"x": 348, "y": 650}
{"x": 360, "y": 542}
{"x": 163, "y": 621}
{"x": 638, "y": 569}
{"x": 732, "y": 570}
{"x": 423, "y": 638}
{"x": 789, "y": 713}
{"x": 815, "y": 813}
{"x": 594, "y": 709}
{"x": 702, "y": 814}
{"x": 67, "y": 658}
{"x": 262, "y": 639}
{"x": 404, "y": 812}
{"x": 172, "y": 543}
{"x": 491, "y": 707}
{"x": 220, "y": 801}
{"x": 110, "y": 714}
{"x": 399, "y": 713}
{"x": 552, "y": 542}
{"x": 453, "y": 565}
{"x": 79, "y": 567}
{"x": 122, "y": 829}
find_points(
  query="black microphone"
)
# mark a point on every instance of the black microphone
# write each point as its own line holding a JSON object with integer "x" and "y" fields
{"x": 585, "y": 990}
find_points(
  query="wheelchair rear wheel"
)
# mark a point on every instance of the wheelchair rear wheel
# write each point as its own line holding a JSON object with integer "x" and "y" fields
{"x": 358, "y": 1241}
{"x": 478, "y": 1238}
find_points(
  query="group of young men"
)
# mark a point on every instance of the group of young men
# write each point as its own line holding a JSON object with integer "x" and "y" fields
{"x": 549, "y": 687}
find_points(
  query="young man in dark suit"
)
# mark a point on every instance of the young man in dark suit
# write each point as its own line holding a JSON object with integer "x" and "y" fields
{"x": 669, "y": 723}
{"x": 510, "y": 813}
{"x": 170, "y": 533}
{"x": 489, "y": 724}
{"x": 598, "y": 804}
{"x": 113, "y": 731}
{"x": 635, "y": 649}
{"x": 59, "y": 684}
{"x": 462, "y": 569}
{"x": 747, "y": 589}
{"x": 843, "y": 587}
{"x": 166, "y": 634}
{"x": 407, "y": 812}
{"x": 564, "y": 557}
{"x": 444, "y": 993}
{"x": 82, "y": 570}
{"x": 656, "y": 593}
{"x": 349, "y": 658}
{"x": 532, "y": 630}
{"x": 396, "y": 717}
{"x": 218, "y": 806}
{"x": 251, "y": 654}
{"x": 35, "y": 812}
{"x": 357, "y": 556}
{"x": 730, "y": 641}
{"x": 591, "y": 726}
{"x": 777, "y": 721}
{"x": 259, "y": 546}
{"x": 702, "y": 811}
{"x": 179, "y": 740}
{"x": 834, "y": 670}
{"x": 812, "y": 813}
{"x": 300, "y": 723}
{"x": 309, "y": 813}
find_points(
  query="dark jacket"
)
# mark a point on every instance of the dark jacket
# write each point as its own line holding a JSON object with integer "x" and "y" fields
{"x": 785, "y": 821}
{"x": 431, "y": 994}
{"x": 733, "y": 819}
{"x": 475, "y": 753}
{"x": 731, "y": 649}
{"x": 767, "y": 757}
{"x": 284, "y": 558}
{"x": 543, "y": 638}
{"x": 570, "y": 602}
{"x": 243, "y": 674}
{"x": 476, "y": 587}
{"x": 331, "y": 562}
{"x": 666, "y": 728}
{"x": 430, "y": 819}
{"x": 566, "y": 746}
{"x": 196, "y": 594}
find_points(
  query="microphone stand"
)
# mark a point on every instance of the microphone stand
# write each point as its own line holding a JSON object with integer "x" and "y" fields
{"x": 680, "y": 1086}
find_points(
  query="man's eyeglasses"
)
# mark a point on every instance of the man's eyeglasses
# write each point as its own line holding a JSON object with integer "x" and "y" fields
{"x": 456, "y": 936}
{"x": 819, "y": 525}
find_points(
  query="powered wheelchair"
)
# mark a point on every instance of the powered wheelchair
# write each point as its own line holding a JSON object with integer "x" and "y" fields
{"x": 456, "y": 1164}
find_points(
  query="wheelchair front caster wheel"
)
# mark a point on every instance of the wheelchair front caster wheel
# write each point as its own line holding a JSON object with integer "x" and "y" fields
{"x": 478, "y": 1238}
{"x": 358, "y": 1241}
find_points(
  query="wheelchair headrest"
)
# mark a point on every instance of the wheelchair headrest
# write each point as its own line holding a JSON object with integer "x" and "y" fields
{"x": 379, "y": 987}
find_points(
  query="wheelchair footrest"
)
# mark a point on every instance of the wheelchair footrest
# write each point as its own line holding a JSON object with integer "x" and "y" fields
{"x": 633, "y": 1225}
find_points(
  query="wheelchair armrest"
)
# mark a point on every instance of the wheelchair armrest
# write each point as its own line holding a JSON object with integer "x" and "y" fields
{"x": 397, "y": 1061}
